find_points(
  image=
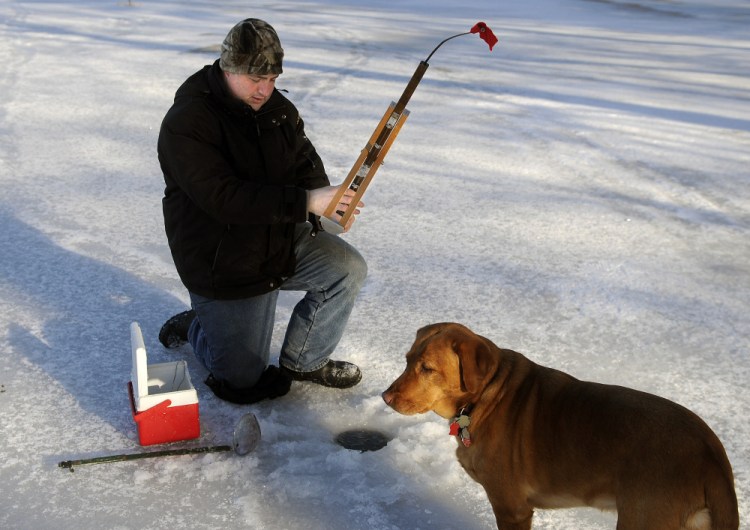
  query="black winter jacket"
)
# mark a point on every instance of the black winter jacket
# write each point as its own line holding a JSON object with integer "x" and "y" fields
{"x": 236, "y": 184}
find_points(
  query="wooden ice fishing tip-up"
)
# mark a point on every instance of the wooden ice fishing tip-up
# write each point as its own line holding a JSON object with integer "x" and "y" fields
{"x": 371, "y": 157}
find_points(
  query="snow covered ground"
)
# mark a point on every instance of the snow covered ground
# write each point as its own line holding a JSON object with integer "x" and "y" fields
{"x": 581, "y": 194}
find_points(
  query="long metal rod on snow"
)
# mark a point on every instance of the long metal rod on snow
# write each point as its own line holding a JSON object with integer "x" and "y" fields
{"x": 69, "y": 464}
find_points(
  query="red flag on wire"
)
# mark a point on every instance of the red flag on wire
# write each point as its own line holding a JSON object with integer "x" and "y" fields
{"x": 485, "y": 33}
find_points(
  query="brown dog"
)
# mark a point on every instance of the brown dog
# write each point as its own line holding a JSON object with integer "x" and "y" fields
{"x": 535, "y": 437}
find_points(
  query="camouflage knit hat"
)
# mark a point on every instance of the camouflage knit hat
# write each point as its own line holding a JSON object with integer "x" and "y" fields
{"x": 251, "y": 47}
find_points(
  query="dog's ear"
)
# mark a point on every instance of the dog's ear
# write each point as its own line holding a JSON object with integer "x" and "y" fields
{"x": 477, "y": 362}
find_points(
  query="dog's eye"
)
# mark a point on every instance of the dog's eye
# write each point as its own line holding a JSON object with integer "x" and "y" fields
{"x": 425, "y": 369}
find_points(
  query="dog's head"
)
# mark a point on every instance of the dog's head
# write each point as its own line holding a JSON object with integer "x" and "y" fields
{"x": 447, "y": 367}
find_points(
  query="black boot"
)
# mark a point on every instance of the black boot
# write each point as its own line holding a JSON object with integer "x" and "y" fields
{"x": 273, "y": 383}
{"x": 173, "y": 333}
{"x": 335, "y": 374}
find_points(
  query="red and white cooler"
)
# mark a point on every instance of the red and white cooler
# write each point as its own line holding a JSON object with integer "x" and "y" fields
{"x": 163, "y": 401}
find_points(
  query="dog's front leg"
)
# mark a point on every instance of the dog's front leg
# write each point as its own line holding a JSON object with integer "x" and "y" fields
{"x": 510, "y": 506}
{"x": 504, "y": 522}
{"x": 508, "y": 517}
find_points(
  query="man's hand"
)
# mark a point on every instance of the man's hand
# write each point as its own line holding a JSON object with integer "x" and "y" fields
{"x": 319, "y": 199}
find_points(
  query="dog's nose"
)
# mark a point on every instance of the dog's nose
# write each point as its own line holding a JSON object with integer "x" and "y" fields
{"x": 387, "y": 396}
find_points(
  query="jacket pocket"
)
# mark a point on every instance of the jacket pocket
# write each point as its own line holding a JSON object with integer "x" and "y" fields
{"x": 238, "y": 257}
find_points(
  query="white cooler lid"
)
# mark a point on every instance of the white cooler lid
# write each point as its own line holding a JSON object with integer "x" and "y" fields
{"x": 165, "y": 380}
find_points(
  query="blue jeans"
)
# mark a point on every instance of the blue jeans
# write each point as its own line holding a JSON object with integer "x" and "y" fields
{"x": 232, "y": 338}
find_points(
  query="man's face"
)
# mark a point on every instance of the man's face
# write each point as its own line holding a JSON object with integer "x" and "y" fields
{"x": 252, "y": 89}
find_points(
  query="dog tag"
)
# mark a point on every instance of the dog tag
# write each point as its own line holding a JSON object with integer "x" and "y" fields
{"x": 454, "y": 429}
{"x": 464, "y": 421}
{"x": 465, "y": 437}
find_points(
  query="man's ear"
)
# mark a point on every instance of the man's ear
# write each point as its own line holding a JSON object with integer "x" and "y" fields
{"x": 477, "y": 363}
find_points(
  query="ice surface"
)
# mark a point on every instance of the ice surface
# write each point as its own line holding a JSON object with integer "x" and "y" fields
{"x": 580, "y": 194}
